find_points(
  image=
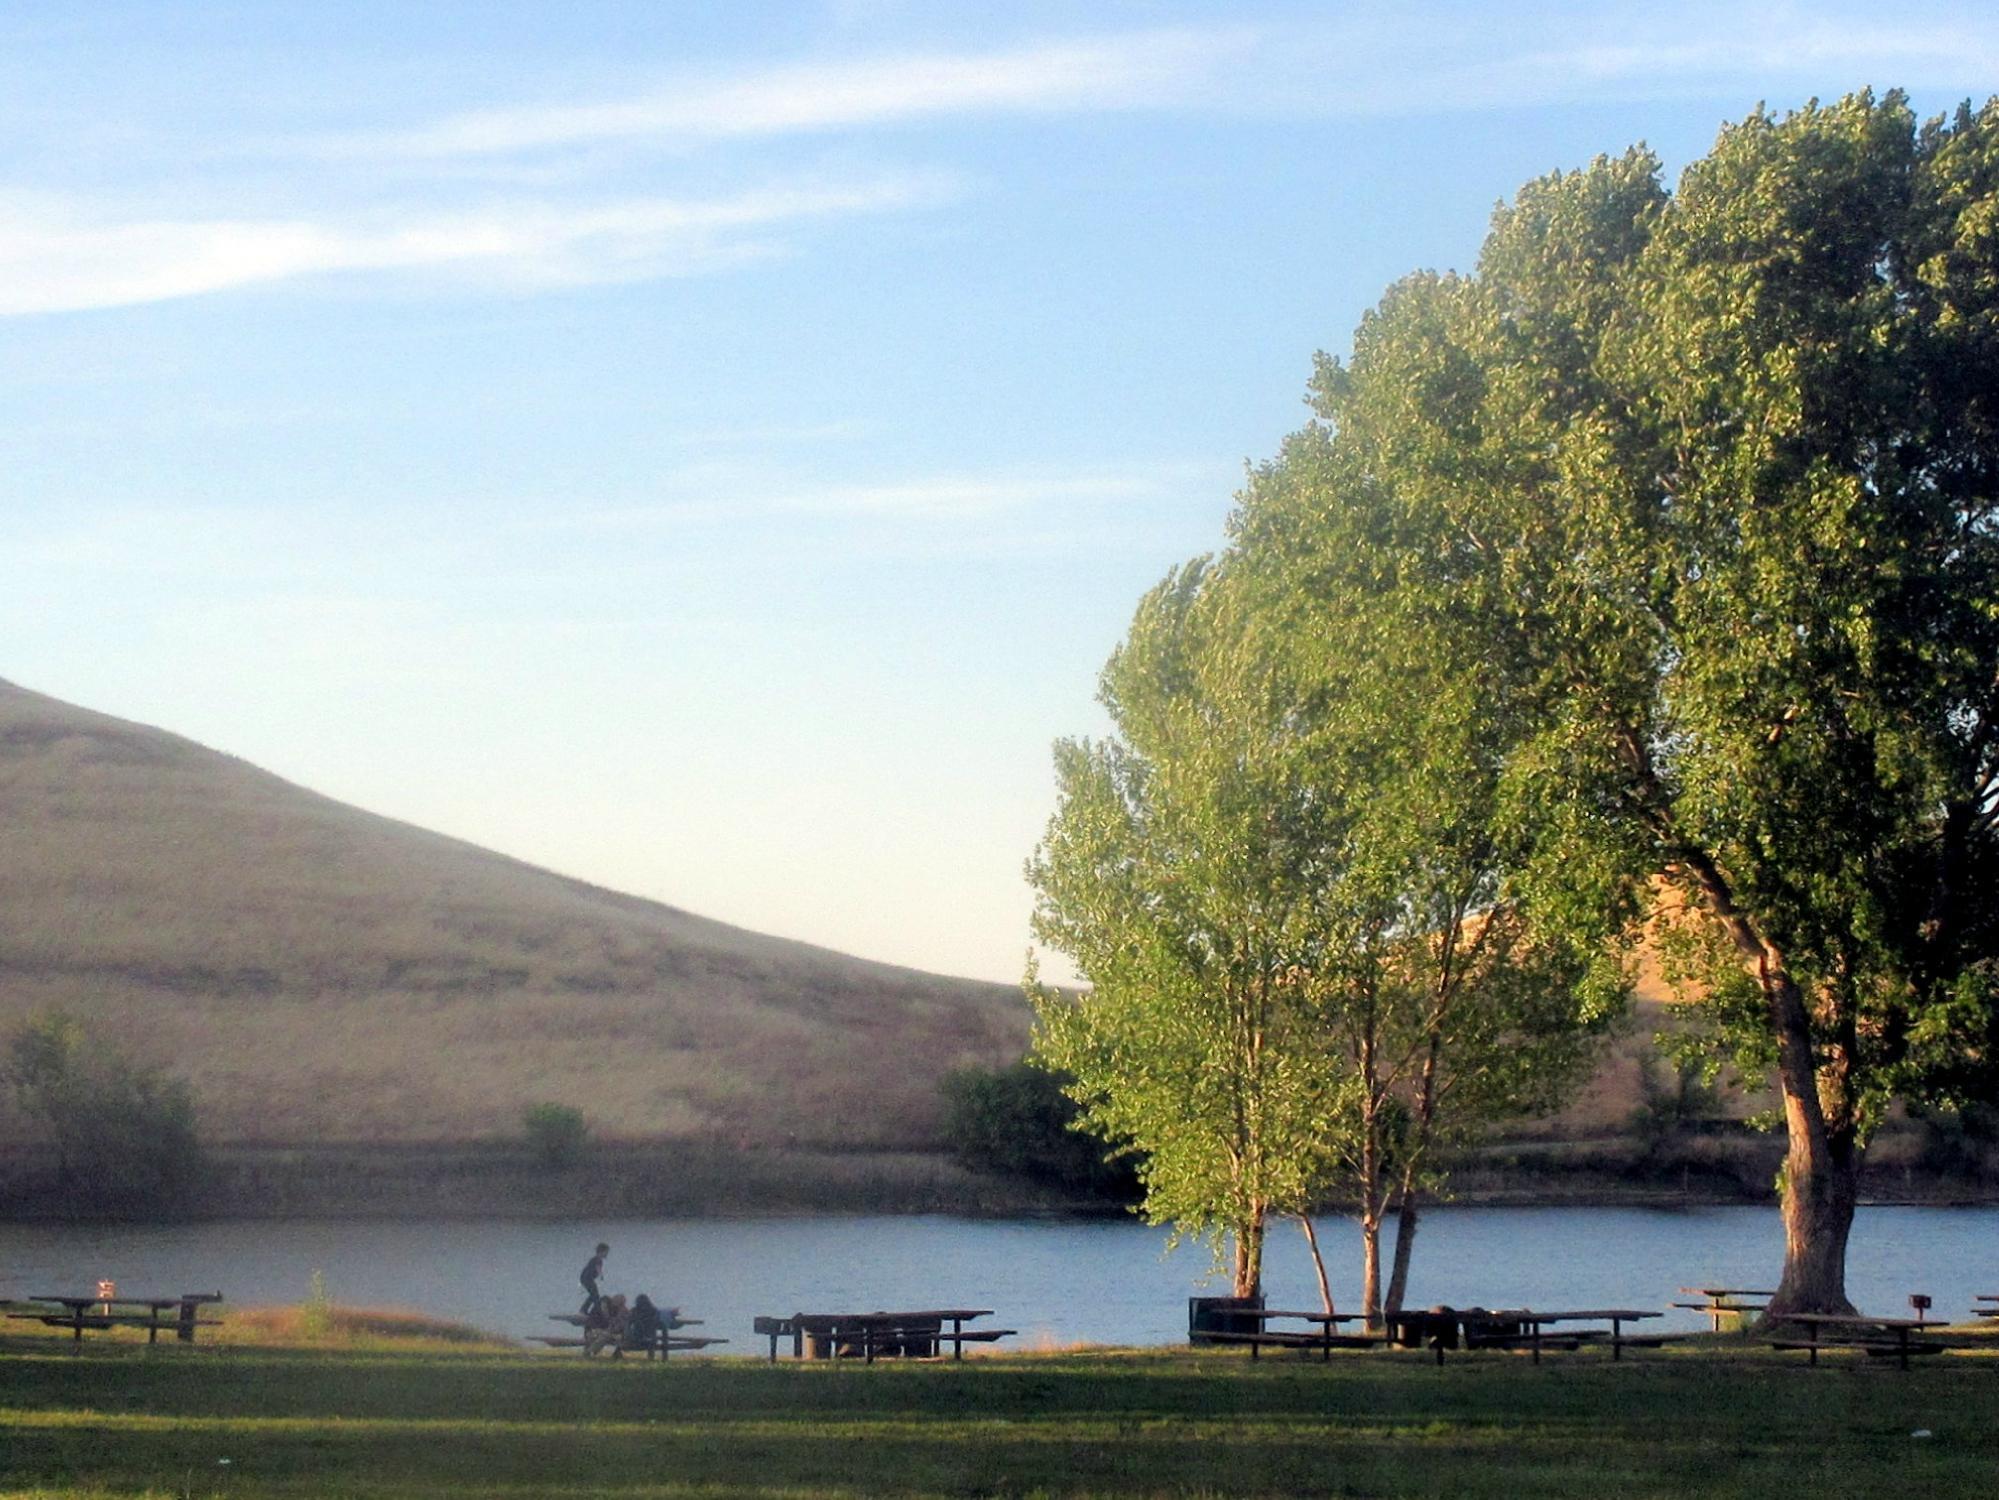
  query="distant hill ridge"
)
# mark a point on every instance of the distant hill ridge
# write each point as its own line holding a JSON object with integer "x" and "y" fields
{"x": 319, "y": 973}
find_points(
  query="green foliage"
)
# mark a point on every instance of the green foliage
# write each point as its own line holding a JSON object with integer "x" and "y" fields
{"x": 556, "y": 1133}
{"x": 1284, "y": 885}
{"x": 124, "y": 1134}
{"x": 1179, "y": 874}
{"x": 1700, "y": 491}
{"x": 1018, "y": 1122}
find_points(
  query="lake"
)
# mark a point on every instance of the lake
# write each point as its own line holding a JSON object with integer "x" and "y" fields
{"x": 1059, "y": 1282}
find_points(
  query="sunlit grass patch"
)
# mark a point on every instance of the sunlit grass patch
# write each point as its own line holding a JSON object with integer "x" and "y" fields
{"x": 350, "y": 1327}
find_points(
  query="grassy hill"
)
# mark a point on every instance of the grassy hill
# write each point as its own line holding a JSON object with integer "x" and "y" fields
{"x": 320, "y": 974}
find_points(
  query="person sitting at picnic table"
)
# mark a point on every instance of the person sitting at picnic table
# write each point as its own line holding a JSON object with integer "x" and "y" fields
{"x": 592, "y": 1269}
{"x": 645, "y": 1324}
{"x": 605, "y": 1328}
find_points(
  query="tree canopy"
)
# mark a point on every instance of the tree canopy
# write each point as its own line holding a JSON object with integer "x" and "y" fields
{"x": 1700, "y": 486}
{"x": 1309, "y": 968}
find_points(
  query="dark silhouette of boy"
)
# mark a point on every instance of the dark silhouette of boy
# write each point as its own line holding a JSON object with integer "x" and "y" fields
{"x": 591, "y": 1271}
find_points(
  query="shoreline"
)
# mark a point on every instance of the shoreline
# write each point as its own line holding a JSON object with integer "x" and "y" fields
{"x": 681, "y": 1179}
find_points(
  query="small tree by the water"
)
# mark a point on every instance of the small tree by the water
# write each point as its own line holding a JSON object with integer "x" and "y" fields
{"x": 123, "y": 1133}
{"x": 556, "y": 1133}
{"x": 1017, "y": 1121}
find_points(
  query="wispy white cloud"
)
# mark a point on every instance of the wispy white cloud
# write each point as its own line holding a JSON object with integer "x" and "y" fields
{"x": 1370, "y": 61}
{"x": 1109, "y": 72}
{"x": 56, "y": 257}
{"x": 963, "y": 497}
{"x": 722, "y": 494}
{"x": 1375, "y": 63}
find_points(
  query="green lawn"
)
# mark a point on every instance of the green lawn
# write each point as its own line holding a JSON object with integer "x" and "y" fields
{"x": 117, "y": 1418}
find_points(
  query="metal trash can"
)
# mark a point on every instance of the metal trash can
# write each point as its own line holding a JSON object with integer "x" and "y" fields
{"x": 1206, "y": 1315}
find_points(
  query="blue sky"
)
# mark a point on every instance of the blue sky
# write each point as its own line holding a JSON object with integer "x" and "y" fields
{"x": 710, "y": 450}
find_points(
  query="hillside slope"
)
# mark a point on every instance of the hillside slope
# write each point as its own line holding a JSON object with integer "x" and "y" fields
{"x": 319, "y": 973}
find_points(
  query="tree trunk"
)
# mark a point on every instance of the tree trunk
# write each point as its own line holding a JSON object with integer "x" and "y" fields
{"x": 1820, "y": 1166}
{"x": 1818, "y": 1198}
{"x": 1370, "y": 1281}
{"x": 1249, "y": 1258}
{"x": 1405, "y": 1242}
{"x": 1822, "y": 1160}
{"x": 1318, "y": 1262}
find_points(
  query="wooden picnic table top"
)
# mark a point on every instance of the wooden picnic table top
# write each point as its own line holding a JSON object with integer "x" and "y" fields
{"x": 1729, "y": 1291}
{"x": 950, "y": 1314}
{"x": 668, "y": 1316}
{"x": 1582, "y": 1315}
{"x": 1854, "y": 1320}
{"x": 78, "y": 1302}
{"x": 1310, "y": 1317}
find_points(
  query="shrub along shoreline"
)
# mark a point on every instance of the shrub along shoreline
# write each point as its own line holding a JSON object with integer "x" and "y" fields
{"x": 680, "y": 1179}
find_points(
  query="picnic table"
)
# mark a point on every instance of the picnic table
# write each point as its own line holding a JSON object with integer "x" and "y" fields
{"x": 1986, "y": 1312}
{"x": 1522, "y": 1328}
{"x": 1722, "y": 1302}
{"x": 76, "y": 1313}
{"x": 1324, "y": 1338}
{"x": 1534, "y": 1330}
{"x": 660, "y": 1345}
{"x": 914, "y": 1335}
{"x": 1858, "y": 1331}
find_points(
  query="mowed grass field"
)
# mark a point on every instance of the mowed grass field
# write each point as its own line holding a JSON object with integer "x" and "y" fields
{"x": 383, "y": 1417}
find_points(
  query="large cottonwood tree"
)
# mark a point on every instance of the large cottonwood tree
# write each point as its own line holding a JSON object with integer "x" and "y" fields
{"x": 1707, "y": 485}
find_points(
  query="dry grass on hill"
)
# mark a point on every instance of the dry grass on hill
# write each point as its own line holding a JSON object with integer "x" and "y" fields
{"x": 318, "y": 973}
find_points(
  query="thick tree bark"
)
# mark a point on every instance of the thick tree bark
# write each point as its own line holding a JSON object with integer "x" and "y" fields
{"x": 1821, "y": 1165}
{"x": 1820, "y": 1186}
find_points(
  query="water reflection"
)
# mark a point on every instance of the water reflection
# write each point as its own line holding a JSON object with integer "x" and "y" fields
{"x": 1058, "y": 1282}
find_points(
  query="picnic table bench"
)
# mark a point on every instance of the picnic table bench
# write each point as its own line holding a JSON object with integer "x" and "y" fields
{"x": 75, "y": 1313}
{"x": 1875, "y": 1336}
{"x": 911, "y": 1335}
{"x": 1722, "y": 1302}
{"x": 1324, "y": 1338}
{"x": 660, "y": 1345}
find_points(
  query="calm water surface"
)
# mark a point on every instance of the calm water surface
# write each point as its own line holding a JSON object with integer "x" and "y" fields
{"x": 1058, "y": 1282}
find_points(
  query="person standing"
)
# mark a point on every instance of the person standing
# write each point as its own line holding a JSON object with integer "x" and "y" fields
{"x": 592, "y": 1298}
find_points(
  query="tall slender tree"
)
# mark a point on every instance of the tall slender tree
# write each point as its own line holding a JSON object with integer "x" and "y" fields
{"x": 1180, "y": 875}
